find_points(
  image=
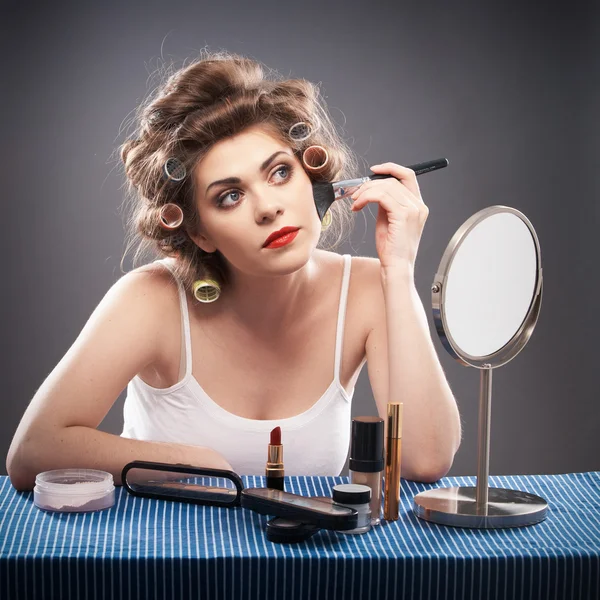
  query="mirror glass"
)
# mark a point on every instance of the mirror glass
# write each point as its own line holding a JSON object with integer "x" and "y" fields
{"x": 182, "y": 486}
{"x": 491, "y": 284}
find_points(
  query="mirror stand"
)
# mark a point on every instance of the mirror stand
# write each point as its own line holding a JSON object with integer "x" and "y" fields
{"x": 481, "y": 507}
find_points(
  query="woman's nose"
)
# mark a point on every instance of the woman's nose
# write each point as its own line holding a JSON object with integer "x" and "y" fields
{"x": 268, "y": 207}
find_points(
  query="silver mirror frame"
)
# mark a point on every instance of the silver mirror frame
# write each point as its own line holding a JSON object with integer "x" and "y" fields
{"x": 438, "y": 296}
{"x": 481, "y": 506}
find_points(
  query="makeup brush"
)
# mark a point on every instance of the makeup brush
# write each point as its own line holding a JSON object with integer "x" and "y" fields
{"x": 325, "y": 194}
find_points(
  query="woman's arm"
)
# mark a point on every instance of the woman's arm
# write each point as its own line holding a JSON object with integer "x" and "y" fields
{"x": 403, "y": 367}
{"x": 121, "y": 338}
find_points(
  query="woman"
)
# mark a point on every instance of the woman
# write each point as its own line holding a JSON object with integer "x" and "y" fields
{"x": 240, "y": 326}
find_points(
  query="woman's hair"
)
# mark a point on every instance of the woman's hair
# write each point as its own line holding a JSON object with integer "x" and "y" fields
{"x": 217, "y": 96}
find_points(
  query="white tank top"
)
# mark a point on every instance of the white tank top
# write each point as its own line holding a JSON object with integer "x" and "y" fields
{"x": 315, "y": 442}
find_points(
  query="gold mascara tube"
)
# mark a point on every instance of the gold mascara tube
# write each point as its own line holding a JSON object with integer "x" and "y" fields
{"x": 393, "y": 455}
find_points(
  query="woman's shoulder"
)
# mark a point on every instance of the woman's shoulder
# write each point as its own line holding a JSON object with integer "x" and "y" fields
{"x": 365, "y": 293}
{"x": 151, "y": 290}
{"x": 150, "y": 274}
{"x": 151, "y": 285}
{"x": 364, "y": 270}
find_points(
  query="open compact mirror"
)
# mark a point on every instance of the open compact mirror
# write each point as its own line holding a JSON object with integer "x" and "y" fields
{"x": 182, "y": 483}
{"x": 486, "y": 299}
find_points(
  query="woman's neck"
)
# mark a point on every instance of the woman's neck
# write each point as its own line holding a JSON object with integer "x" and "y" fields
{"x": 270, "y": 304}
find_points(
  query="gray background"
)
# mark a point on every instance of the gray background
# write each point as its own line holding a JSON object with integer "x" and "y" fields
{"x": 507, "y": 94}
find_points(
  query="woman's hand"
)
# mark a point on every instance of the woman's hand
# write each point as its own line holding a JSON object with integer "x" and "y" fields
{"x": 401, "y": 215}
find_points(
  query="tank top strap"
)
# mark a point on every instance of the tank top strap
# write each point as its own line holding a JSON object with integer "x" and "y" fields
{"x": 185, "y": 367}
{"x": 339, "y": 338}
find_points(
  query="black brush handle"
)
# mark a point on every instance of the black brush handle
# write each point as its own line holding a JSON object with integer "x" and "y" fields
{"x": 420, "y": 168}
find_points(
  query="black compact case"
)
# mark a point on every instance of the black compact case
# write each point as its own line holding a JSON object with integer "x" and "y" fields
{"x": 284, "y": 531}
{"x": 302, "y": 509}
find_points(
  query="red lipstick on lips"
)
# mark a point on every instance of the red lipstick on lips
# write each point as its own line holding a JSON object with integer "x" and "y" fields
{"x": 281, "y": 238}
{"x": 274, "y": 470}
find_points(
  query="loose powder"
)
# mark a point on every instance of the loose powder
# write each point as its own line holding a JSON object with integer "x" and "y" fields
{"x": 89, "y": 506}
{"x": 74, "y": 490}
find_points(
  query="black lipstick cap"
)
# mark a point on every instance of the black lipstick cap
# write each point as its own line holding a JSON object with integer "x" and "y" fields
{"x": 366, "y": 445}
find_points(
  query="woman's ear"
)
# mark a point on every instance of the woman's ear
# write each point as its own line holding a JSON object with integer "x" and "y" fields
{"x": 203, "y": 242}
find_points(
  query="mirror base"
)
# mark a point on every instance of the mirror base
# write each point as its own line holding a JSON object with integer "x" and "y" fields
{"x": 457, "y": 507}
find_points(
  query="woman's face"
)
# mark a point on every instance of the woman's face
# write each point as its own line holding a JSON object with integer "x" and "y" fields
{"x": 267, "y": 190}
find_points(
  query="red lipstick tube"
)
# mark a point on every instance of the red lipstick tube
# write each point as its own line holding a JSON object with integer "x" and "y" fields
{"x": 274, "y": 470}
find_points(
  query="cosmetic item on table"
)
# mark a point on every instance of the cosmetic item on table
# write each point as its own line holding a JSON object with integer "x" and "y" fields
{"x": 74, "y": 490}
{"x": 367, "y": 459}
{"x": 302, "y": 509}
{"x": 325, "y": 194}
{"x": 356, "y": 496}
{"x": 182, "y": 483}
{"x": 391, "y": 498}
{"x": 274, "y": 470}
{"x": 286, "y": 531}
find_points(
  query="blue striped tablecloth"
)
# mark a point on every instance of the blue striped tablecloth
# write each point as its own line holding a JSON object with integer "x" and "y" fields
{"x": 155, "y": 549}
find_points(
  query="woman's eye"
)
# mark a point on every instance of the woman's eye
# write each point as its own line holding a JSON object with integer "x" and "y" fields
{"x": 221, "y": 200}
{"x": 285, "y": 168}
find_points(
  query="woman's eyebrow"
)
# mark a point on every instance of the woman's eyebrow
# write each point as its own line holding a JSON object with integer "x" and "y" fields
{"x": 263, "y": 167}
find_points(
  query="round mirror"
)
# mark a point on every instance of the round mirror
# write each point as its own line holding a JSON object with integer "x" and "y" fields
{"x": 486, "y": 299}
{"x": 487, "y": 293}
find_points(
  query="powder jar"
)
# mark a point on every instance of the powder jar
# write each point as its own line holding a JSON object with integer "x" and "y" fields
{"x": 74, "y": 490}
{"x": 358, "y": 497}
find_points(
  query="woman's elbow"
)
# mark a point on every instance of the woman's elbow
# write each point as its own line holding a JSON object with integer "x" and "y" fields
{"x": 18, "y": 468}
{"x": 428, "y": 473}
{"x": 436, "y": 467}
{"x": 21, "y": 480}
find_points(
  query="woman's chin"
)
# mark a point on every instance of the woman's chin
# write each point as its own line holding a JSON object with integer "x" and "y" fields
{"x": 290, "y": 261}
